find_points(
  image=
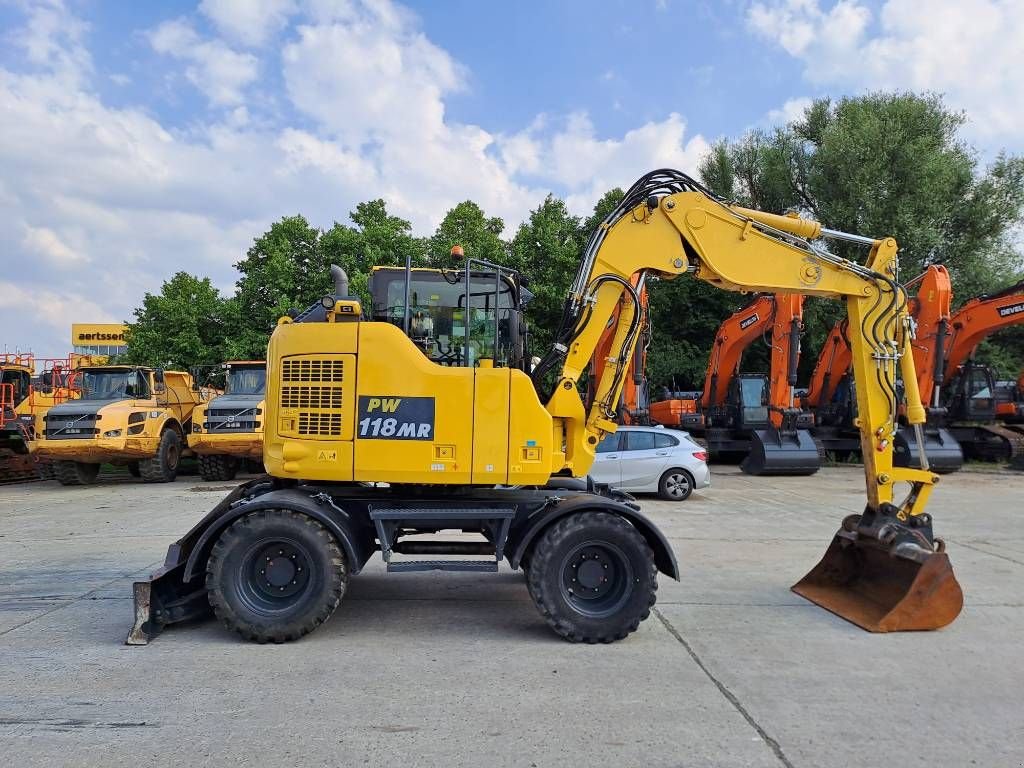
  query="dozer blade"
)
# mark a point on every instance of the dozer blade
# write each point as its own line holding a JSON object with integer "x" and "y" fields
{"x": 781, "y": 452}
{"x": 943, "y": 450}
{"x": 862, "y": 581}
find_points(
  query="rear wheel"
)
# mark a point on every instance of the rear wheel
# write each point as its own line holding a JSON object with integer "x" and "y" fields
{"x": 275, "y": 575}
{"x": 592, "y": 577}
{"x": 218, "y": 467}
{"x": 75, "y": 472}
{"x": 163, "y": 467}
{"x": 675, "y": 485}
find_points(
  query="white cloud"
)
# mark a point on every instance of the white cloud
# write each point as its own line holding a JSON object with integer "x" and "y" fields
{"x": 576, "y": 158}
{"x": 250, "y": 22}
{"x": 45, "y": 243}
{"x": 969, "y": 51}
{"x": 789, "y": 112}
{"x": 103, "y": 203}
{"x": 219, "y": 72}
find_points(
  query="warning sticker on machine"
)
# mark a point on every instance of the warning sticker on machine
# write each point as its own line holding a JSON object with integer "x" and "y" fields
{"x": 396, "y": 418}
{"x": 1011, "y": 309}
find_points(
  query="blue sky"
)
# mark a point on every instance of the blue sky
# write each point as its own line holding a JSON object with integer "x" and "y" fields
{"x": 138, "y": 139}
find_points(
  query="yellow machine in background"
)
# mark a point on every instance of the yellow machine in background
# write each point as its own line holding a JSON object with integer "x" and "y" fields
{"x": 227, "y": 431}
{"x": 354, "y": 402}
{"x": 126, "y": 415}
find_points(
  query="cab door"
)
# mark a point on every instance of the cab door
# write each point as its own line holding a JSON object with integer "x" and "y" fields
{"x": 606, "y": 460}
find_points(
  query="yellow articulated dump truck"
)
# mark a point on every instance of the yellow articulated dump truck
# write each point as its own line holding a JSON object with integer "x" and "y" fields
{"x": 126, "y": 415}
{"x": 227, "y": 432}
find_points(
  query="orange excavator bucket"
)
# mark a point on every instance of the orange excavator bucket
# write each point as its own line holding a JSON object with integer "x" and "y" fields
{"x": 885, "y": 575}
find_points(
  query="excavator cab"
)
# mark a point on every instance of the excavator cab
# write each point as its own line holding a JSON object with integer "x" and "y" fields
{"x": 972, "y": 394}
{"x": 456, "y": 317}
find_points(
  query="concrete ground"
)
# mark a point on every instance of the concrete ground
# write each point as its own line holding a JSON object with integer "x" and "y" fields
{"x": 445, "y": 669}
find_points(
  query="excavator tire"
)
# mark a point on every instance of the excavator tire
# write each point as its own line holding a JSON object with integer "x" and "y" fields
{"x": 592, "y": 577}
{"x": 75, "y": 472}
{"x": 275, "y": 575}
{"x": 218, "y": 467}
{"x": 163, "y": 467}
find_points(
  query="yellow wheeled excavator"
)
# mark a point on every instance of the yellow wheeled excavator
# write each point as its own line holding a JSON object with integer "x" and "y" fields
{"x": 482, "y": 446}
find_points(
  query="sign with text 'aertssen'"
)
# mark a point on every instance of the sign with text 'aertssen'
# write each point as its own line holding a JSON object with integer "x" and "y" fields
{"x": 384, "y": 417}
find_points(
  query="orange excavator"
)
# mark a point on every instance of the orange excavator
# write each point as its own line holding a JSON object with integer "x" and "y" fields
{"x": 830, "y": 394}
{"x": 1010, "y": 401}
{"x": 751, "y": 414}
{"x": 968, "y": 388}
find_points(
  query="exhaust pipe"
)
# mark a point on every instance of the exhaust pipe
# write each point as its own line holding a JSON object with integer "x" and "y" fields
{"x": 340, "y": 281}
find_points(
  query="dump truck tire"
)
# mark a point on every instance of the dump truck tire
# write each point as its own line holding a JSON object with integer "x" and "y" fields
{"x": 675, "y": 485}
{"x": 218, "y": 467}
{"x": 163, "y": 467}
{"x": 275, "y": 575}
{"x": 75, "y": 472}
{"x": 133, "y": 469}
{"x": 592, "y": 577}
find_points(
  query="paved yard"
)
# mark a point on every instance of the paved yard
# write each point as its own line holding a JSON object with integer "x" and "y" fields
{"x": 453, "y": 669}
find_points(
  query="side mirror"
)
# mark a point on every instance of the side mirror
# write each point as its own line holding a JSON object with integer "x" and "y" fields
{"x": 158, "y": 376}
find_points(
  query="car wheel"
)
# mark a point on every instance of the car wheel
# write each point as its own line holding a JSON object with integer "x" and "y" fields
{"x": 675, "y": 485}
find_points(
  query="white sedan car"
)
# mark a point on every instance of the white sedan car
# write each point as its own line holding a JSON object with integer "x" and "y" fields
{"x": 652, "y": 460}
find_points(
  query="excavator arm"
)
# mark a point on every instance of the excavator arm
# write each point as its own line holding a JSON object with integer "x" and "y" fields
{"x": 733, "y": 337}
{"x": 979, "y": 318}
{"x": 668, "y": 224}
{"x": 635, "y": 400}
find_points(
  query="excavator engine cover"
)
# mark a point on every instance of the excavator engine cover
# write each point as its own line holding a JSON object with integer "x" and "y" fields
{"x": 776, "y": 451}
{"x": 885, "y": 576}
{"x": 943, "y": 450}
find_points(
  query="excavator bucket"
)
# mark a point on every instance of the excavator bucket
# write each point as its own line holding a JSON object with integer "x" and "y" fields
{"x": 879, "y": 589}
{"x": 781, "y": 452}
{"x": 943, "y": 450}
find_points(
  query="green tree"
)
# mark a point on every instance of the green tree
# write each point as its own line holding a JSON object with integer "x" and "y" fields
{"x": 181, "y": 327}
{"x": 546, "y": 249}
{"x": 883, "y": 164}
{"x": 468, "y": 226}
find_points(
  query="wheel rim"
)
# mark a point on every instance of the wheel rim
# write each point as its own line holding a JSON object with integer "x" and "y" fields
{"x": 677, "y": 485}
{"x": 172, "y": 456}
{"x": 274, "y": 575}
{"x": 596, "y": 578}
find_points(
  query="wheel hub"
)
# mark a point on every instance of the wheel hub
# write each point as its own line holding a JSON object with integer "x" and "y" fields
{"x": 279, "y": 570}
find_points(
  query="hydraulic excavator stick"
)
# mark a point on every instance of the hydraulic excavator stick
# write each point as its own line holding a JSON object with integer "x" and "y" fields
{"x": 634, "y": 405}
{"x": 353, "y": 403}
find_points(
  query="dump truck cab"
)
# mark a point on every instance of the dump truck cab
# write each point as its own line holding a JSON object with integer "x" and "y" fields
{"x": 126, "y": 415}
{"x": 227, "y": 431}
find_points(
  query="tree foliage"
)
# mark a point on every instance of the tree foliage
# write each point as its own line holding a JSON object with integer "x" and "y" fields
{"x": 181, "y": 327}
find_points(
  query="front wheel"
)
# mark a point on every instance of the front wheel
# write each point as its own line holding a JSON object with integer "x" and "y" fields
{"x": 163, "y": 467}
{"x": 75, "y": 472}
{"x": 675, "y": 485}
{"x": 275, "y": 575}
{"x": 592, "y": 577}
{"x": 217, "y": 467}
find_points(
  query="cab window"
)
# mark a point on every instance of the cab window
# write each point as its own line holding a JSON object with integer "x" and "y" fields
{"x": 609, "y": 444}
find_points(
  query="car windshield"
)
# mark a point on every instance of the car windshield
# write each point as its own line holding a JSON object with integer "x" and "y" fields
{"x": 113, "y": 384}
{"x": 246, "y": 381}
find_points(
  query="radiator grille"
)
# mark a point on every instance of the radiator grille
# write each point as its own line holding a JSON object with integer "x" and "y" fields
{"x": 313, "y": 370}
{"x": 311, "y": 397}
{"x": 312, "y": 390}
{"x": 319, "y": 423}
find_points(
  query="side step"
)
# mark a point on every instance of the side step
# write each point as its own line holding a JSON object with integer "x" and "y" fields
{"x": 415, "y": 566}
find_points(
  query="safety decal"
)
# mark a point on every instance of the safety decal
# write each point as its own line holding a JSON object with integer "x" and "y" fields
{"x": 396, "y": 418}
